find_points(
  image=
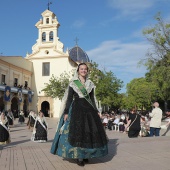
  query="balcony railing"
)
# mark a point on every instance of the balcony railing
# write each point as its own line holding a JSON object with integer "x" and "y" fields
{"x": 15, "y": 90}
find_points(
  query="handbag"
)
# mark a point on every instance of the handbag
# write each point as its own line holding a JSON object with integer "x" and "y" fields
{"x": 127, "y": 129}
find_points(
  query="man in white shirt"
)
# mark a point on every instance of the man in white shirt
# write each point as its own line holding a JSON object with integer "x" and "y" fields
{"x": 156, "y": 118}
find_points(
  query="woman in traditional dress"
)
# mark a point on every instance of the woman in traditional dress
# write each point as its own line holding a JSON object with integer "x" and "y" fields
{"x": 4, "y": 129}
{"x": 10, "y": 117}
{"x": 31, "y": 120}
{"x": 80, "y": 134}
{"x": 21, "y": 119}
{"x": 40, "y": 130}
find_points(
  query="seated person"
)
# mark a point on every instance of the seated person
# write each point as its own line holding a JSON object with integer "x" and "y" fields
{"x": 116, "y": 122}
{"x": 110, "y": 122}
{"x": 122, "y": 123}
{"x": 105, "y": 121}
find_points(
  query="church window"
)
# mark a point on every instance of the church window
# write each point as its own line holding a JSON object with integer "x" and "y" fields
{"x": 26, "y": 84}
{"x": 47, "y": 21}
{"x": 51, "y": 36}
{"x": 46, "y": 69}
{"x": 43, "y": 37}
{"x": 15, "y": 82}
{"x": 3, "y": 79}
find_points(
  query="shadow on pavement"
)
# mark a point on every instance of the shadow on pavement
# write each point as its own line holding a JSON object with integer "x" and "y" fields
{"x": 16, "y": 143}
{"x": 16, "y": 130}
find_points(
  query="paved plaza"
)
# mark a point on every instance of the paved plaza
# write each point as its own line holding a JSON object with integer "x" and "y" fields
{"x": 124, "y": 153}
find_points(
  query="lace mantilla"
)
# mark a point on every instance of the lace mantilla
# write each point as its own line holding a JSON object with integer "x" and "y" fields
{"x": 3, "y": 121}
{"x": 89, "y": 85}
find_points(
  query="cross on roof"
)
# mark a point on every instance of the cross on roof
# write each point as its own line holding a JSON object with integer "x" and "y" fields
{"x": 76, "y": 40}
{"x": 49, "y": 3}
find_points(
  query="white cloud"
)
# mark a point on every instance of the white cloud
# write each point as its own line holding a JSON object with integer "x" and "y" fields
{"x": 78, "y": 24}
{"x": 121, "y": 58}
{"x": 120, "y": 54}
{"x": 129, "y": 8}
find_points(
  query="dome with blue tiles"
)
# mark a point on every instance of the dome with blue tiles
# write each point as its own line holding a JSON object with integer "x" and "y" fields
{"x": 78, "y": 55}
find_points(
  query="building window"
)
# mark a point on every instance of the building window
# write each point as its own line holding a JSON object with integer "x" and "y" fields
{"x": 3, "y": 79}
{"x": 47, "y": 21}
{"x": 51, "y": 36}
{"x": 26, "y": 84}
{"x": 43, "y": 37}
{"x": 45, "y": 69}
{"x": 15, "y": 82}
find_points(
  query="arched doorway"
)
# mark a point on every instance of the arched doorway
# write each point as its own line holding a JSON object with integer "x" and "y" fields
{"x": 45, "y": 107}
{"x": 14, "y": 106}
{"x": 2, "y": 105}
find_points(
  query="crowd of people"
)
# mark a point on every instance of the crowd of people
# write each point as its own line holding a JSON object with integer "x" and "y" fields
{"x": 137, "y": 123}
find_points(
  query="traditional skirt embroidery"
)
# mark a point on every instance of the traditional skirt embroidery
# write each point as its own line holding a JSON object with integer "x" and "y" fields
{"x": 62, "y": 147}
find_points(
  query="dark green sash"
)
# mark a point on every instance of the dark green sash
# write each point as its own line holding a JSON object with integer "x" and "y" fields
{"x": 84, "y": 91}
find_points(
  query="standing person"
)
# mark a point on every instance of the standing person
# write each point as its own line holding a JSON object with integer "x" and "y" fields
{"x": 21, "y": 119}
{"x": 31, "y": 120}
{"x": 4, "y": 129}
{"x": 83, "y": 136}
{"x": 156, "y": 118}
{"x": 10, "y": 117}
{"x": 134, "y": 124}
{"x": 40, "y": 130}
{"x": 15, "y": 113}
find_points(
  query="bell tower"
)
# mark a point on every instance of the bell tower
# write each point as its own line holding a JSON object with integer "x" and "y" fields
{"x": 48, "y": 42}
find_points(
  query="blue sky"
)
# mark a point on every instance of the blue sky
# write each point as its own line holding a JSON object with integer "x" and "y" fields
{"x": 110, "y": 31}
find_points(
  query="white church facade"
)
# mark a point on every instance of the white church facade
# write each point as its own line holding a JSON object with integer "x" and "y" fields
{"x": 22, "y": 79}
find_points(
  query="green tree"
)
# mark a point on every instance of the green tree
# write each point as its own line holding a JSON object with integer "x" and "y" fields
{"x": 57, "y": 86}
{"x": 139, "y": 93}
{"x": 107, "y": 86}
{"x": 159, "y": 37}
{"x": 158, "y": 60}
{"x": 160, "y": 77}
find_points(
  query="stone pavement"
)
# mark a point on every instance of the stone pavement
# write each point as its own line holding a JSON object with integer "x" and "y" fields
{"x": 124, "y": 153}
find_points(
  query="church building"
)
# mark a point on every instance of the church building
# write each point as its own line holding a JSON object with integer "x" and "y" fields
{"x": 22, "y": 79}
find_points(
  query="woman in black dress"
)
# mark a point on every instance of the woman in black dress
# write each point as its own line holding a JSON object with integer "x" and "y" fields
{"x": 80, "y": 134}
{"x": 40, "y": 130}
{"x": 4, "y": 129}
{"x": 134, "y": 124}
{"x": 21, "y": 119}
